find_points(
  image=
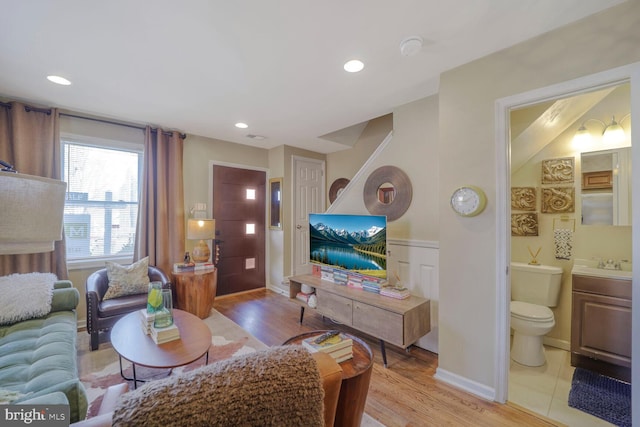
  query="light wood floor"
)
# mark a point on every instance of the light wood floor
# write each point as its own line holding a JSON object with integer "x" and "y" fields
{"x": 404, "y": 394}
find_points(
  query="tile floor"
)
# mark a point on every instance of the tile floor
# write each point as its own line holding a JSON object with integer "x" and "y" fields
{"x": 545, "y": 390}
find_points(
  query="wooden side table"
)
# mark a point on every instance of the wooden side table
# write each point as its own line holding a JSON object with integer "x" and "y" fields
{"x": 356, "y": 376}
{"x": 195, "y": 291}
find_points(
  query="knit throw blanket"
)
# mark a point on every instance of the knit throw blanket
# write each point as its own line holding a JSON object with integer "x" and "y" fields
{"x": 280, "y": 386}
{"x": 25, "y": 296}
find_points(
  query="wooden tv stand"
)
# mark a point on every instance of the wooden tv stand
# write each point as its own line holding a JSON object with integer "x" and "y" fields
{"x": 397, "y": 321}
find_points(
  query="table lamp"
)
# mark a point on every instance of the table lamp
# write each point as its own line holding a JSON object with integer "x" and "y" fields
{"x": 201, "y": 229}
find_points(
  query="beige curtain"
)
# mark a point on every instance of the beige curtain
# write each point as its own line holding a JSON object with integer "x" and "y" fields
{"x": 30, "y": 141}
{"x": 160, "y": 232}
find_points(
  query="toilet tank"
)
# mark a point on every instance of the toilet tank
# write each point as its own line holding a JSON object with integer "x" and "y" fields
{"x": 536, "y": 284}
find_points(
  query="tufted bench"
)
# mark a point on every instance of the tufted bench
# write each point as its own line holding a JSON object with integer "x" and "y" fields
{"x": 38, "y": 356}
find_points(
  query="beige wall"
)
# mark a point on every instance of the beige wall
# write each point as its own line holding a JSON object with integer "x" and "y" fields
{"x": 467, "y": 155}
{"x": 413, "y": 148}
{"x": 346, "y": 163}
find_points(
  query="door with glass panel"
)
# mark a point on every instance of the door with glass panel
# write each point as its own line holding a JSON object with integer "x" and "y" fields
{"x": 239, "y": 210}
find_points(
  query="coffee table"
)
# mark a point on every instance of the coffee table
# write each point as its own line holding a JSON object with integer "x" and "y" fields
{"x": 131, "y": 343}
{"x": 356, "y": 376}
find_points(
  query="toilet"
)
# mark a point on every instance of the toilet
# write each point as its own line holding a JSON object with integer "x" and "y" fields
{"x": 534, "y": 288}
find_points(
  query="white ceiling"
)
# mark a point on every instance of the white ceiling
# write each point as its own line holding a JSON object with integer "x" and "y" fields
{"x": 200, "y": 66}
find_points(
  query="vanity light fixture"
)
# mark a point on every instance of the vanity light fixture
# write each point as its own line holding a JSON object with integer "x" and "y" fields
{"x": 58, "y": 80}
{"x": 353, "y": 66}
{"x": 612, "y": 133}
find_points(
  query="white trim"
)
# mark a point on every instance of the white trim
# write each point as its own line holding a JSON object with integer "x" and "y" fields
{"x": 429, "y": 244}
{"x": 97, "y": 262}
{"x": 363, "y": 169}
{"x": 465, "y": 384}
{"x": 94, "y": 141}
{"x": 503, "y": 106}
{"x": 277, "y": 290}
{"x": 81, "y": 324}
{"x": 557, "y": 343}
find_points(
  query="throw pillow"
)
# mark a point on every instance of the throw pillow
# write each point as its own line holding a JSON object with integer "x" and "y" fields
{"x": 127, "y": 280}
{"x": 277, "y": 387}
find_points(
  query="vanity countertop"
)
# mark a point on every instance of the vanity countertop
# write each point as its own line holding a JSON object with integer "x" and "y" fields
{"x": 588, "y": 268}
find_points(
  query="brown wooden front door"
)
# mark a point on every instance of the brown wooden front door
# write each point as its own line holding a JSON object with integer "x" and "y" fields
{"x": 239, "y": 211}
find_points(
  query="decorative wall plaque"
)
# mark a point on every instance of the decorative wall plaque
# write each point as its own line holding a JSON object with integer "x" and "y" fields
{"x": 558, "y": 200}
{"x": 524, "y": 224}
{"x": 523, "y": 198}
{"x": 557, "y": 171}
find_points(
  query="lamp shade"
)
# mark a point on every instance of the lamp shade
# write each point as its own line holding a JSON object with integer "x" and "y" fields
{"x": 201, "y": 229}
{"x": 31, "y": 213}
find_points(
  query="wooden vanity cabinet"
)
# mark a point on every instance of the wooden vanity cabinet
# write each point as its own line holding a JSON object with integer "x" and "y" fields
{"x": 601, "y": 325}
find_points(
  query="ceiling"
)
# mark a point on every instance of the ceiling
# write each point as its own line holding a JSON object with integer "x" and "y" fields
{"x": 200, "y": 66}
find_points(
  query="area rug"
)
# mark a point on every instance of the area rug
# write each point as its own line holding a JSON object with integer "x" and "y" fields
{"x": 100, "y": 369}
{"x": 601, "y": 396}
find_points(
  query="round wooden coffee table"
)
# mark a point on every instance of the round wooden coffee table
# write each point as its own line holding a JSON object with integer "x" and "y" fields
{"x": 131, "y": 343}
{"x": 356, "y": 376}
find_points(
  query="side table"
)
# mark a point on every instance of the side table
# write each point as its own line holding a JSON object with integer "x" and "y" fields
{"x": 195, "y": 291}
{"x": 356, "y": 376}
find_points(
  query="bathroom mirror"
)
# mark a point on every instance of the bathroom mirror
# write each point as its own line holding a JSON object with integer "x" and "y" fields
{"x": 275, "y": 203}
{"x": 606, "y": 187}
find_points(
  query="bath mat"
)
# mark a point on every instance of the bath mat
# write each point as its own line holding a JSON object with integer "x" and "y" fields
{"x": 601, "y": 396}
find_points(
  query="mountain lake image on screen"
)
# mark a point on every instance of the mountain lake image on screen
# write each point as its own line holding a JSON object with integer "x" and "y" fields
{"x": 356, "y": 243}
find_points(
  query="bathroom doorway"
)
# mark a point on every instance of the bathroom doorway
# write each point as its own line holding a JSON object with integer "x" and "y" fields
{"x": 524, "y": 124}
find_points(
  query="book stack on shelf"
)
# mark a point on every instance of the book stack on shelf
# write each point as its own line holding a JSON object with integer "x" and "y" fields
{"x": 163, "y": 335}
{"x": 336, "y": 344}
{"x": 182, "y": 267}
{"x": 395, "y": 292}
{"x": 372, "y": 285}
{"x": 354, "y": 281}
{"x": 146, "y": 321}
{"x": 326, "y": 273}
{"x": 340, "y": 277}
{"x": 305, "y": 293}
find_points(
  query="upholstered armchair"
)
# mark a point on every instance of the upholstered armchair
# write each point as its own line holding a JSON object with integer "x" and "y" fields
{"x": 103, "y": 314}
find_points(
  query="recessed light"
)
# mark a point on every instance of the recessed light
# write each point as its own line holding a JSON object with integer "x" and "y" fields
{"x": 241, "y": 125}
{"x": 353, "y": 66}
{"x": 59, "y": 80}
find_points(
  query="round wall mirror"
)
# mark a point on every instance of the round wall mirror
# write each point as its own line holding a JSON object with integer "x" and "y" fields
{"x": 388, "y": 192}
{"x": 336, "y": 188}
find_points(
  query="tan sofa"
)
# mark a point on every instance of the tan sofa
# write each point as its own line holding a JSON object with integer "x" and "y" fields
{"x": 330, "y": 374}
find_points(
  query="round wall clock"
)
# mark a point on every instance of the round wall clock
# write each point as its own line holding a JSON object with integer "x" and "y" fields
{"x": 468, "y": 200}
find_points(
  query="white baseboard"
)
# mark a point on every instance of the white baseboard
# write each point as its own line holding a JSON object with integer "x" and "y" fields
{"x": 278, "y": 290}
{"x": 82, "y": 324}
{"x": 465, "y": 384}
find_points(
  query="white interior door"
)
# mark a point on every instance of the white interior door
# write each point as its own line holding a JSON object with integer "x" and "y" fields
{"x": 308, "y": 197}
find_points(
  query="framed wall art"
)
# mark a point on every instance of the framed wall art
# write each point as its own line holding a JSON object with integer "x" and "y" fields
{"x": 524, "y": 224}
{"x": 558, "y": 171}
{"x": 558, "y": 200}
{"x": 523, "y": 198}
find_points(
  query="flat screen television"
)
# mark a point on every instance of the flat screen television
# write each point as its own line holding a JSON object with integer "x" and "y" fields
{"x": 356, "y": 243}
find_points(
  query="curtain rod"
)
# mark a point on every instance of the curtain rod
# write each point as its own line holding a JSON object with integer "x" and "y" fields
{"x": 48, "y": 111}
{"x": 166, "y": 133}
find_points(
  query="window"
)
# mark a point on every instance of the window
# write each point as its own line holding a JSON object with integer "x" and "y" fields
{"x": 101, "y": 208}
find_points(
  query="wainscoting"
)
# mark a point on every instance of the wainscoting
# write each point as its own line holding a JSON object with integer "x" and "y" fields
{"x": 416, "y": 263}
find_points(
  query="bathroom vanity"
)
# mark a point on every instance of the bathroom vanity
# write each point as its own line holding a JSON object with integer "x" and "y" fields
{"x": 601, "y": 321}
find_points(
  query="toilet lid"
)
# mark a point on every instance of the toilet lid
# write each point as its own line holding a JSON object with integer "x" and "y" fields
{"x": 532, "y": 312}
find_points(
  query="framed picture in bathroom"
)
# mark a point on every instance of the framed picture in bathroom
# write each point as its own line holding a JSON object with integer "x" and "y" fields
{"x": 523, "y": 198}
{"x": 557, "y": 171}
{"x": 558, "y": 200}
{"x": 524, "y": 224}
